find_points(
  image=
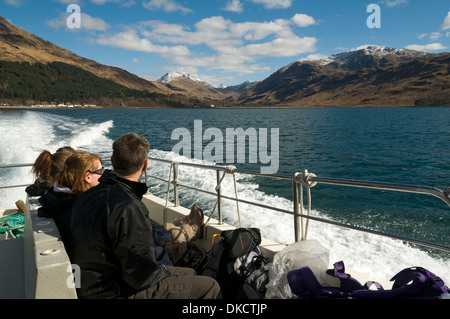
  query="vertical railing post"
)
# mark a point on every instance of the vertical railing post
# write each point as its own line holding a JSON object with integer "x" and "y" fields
{"x": 219, "y": 198}
{"x": 176, "y": 202}
{"x": 296, "y": 210}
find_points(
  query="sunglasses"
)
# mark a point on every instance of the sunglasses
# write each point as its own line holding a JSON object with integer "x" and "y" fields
{"x": 100, "y": 171}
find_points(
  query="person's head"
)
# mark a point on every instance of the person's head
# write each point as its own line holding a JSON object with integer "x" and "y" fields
{"x": 41, "y": 167}
{"x": 130, "y": 154}
{"x": 48, "y": 166}
{"x": 81, "y": 172}
{"x": 66, "y": 149}
{"x": 58, "y": 160}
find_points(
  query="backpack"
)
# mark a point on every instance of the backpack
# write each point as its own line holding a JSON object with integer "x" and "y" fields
{"x": 254, "y": 285}
{"x": 219, "y": 262}
{"x": 413, "y": 282}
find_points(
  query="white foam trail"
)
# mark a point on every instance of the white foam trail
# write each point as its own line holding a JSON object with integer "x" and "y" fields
{"x": 379, "y": 257}
{"x": 25, "y": 134}
{"x": 92, "y": 135}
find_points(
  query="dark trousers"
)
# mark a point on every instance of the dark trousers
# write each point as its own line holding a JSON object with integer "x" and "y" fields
{"x": 183, "y": 283}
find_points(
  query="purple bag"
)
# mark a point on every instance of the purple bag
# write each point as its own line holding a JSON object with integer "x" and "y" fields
{"x": 414, "y": 282}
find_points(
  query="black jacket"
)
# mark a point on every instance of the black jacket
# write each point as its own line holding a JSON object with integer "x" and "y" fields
{"x": 38, "y": 188}
{"x": 111, "y": 240}
{"x": 57, "y": 205}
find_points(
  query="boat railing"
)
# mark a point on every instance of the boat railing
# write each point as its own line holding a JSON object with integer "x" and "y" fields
{"x": 299, "y": 182}
{"x": 14, "y": 166}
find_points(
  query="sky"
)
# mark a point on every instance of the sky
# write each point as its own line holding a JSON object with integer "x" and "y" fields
{"x": 227, "y": 42}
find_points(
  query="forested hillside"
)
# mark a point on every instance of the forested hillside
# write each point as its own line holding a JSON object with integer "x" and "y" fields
{"x": 62, "y": 82}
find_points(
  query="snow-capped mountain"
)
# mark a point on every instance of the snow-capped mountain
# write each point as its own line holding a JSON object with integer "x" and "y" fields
{"x": 369, "y": 56}
{"x": 238, "y": 88}
{"x": 367, "y": 76}
{"x": 172, "y": 76}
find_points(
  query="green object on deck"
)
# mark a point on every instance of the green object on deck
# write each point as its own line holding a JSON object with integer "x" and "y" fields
{"x": 13, "y": 225}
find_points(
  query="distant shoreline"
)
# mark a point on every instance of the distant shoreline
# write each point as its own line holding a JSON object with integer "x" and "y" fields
{"x": 3, "y": 107}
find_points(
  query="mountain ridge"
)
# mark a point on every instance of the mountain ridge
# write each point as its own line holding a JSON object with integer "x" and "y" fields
{"x": 356, "y": 78}
{"x": 372, "y": 55}
{"x": 17, "y": 45}
{"x": 368, "y": 76}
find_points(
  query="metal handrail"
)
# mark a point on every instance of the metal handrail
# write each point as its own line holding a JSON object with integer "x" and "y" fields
{"x": 15, "y": 166}
{"x": 444, "y": 196}
{"x": 307, "y": 180}
{"x": 417, "y": 189}
{"x": 304, "y": 180}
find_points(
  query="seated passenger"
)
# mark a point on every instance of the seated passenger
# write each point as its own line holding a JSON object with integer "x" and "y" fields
{"x": 111, "y": 237}
{"x": 81, "y": 172}
{"x": 46, "y": 169}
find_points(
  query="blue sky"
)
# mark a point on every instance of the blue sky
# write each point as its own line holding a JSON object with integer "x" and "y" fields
{"x": 228, "y": 41}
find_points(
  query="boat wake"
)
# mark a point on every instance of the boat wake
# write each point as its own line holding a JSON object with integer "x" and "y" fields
{"x": 26, "y": 133}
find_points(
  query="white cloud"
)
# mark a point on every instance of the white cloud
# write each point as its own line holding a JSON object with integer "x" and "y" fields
{"x": 166, "y": 5}
{"x": 123, "y": 3}
{"x": 435, "y": 35}
{"x": 68, "y": 1}
{"x": 303, "y": 20}
{"x": 234, "y": 6}
{"x": 427, "y": 47}
{"x": 446, "y": 24}
{"x": 274, "y": 4}
{"x": 282, "y": 47}
{"x": 92, "y": 23}
{"x": 254, "y": 31}
{"x": 130, "y": 40}
{"x": 87, "y": 22}
{"x": 215, "y": 30}
{"x": 16, "y": 3}
{"x": 230, "y": 46}
{"x": 394, "y": 3}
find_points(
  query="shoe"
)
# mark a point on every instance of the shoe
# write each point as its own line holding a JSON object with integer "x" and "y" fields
{"x": 187, "y": 228}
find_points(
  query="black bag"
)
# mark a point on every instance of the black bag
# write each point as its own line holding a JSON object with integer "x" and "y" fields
{"x": 220, "y": 259}
{"x": 255, "y": 284}
{"x": 241, "y": 241}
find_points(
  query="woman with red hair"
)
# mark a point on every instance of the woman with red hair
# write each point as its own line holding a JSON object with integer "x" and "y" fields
{"x": 81, "y": 171}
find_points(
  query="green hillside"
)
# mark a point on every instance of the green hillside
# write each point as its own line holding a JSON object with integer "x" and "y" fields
{"x": 59, "y": 82}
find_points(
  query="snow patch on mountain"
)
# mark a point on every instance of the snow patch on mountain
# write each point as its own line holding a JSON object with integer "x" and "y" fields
{"x": 172, "y": 76}
{"x": 362, "y": 52}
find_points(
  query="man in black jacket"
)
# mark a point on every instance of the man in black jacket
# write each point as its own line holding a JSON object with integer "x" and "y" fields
{"x": 112, "y": 241}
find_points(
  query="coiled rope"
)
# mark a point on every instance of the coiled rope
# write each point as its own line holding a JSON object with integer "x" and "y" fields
{"x": 13, "y": 225}
{"x": 303, "y": 179}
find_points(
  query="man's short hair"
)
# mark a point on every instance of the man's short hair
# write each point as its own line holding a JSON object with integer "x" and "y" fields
{"x": 130, "y": 151}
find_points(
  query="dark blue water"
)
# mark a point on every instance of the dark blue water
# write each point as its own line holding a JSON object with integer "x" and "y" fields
{"x": 398, "y": 145}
